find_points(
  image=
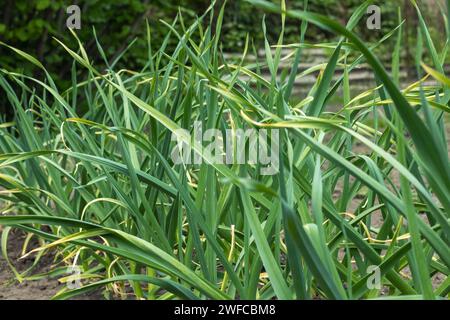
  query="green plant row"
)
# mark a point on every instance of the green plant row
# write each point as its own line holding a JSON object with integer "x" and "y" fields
{"x": 362, "y": 186}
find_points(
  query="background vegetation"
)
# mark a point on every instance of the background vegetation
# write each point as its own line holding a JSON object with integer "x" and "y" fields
{"x": 30, "y": 26}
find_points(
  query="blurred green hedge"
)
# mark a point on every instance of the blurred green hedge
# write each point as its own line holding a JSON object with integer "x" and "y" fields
{"x": 30, "y": 25}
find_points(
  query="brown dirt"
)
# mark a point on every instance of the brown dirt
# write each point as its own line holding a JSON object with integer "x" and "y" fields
{"x": 44, "y": 289}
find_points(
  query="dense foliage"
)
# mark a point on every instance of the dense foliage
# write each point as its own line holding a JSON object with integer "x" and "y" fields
{"x": 352, "y": 192}
{"x": 30, "y": 26}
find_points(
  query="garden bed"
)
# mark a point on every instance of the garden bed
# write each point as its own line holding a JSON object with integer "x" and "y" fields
{"x": 43, "y": 289}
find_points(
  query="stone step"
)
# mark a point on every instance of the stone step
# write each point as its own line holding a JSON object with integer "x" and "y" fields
{"x": 309, "y": 55}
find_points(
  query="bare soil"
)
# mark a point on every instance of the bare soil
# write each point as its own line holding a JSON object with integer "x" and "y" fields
{"x": 43, "y": 289}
